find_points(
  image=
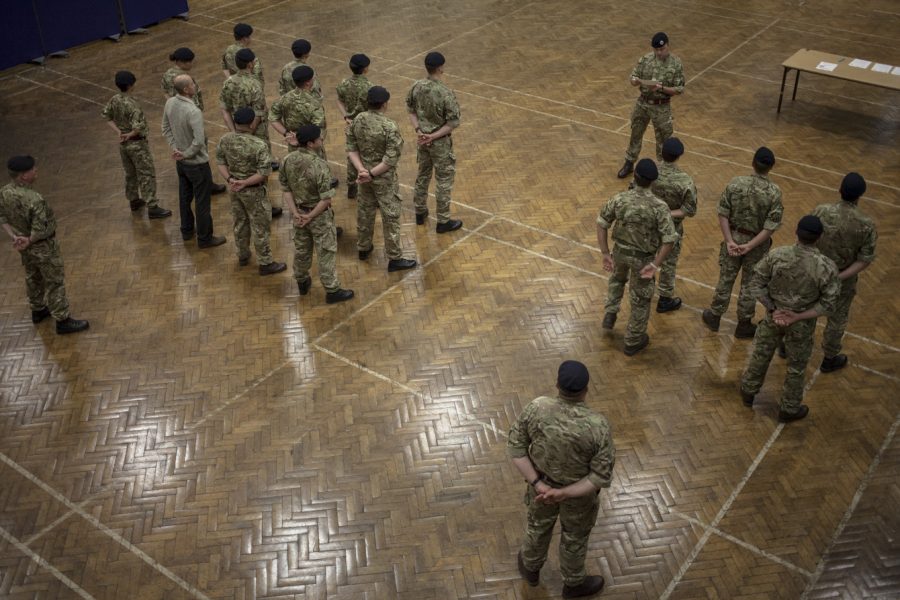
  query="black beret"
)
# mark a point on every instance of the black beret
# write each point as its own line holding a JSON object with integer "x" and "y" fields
{"x": 434, "y": 59}
{"x": 810, "y": 224}
{"x": 301, "y": 47}
{"x": 378, "y": 95}
{"x": 853, "y": 186}
{"x": 125, "y": 78}
{"x": 359, "y": 60}
{"x": 244, "y": 116}
{"x": 646, "y": 169}
{"x": 659, "y": 40}
{"x": 573, "y": 376}
{"x": 302, "y": 74}
{"x": 242, "y": 30}
{"x": 183, "y": 55}
{"x": 245, "y": 54}
{"x": 308, "y": 133}
{"x": 673, "y": 146}
{"x": 764, "y": 156}
{"x": 20, "y": 164}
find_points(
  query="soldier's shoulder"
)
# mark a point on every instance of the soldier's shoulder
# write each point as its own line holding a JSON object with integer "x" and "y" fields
{"x": 675, "y": 60}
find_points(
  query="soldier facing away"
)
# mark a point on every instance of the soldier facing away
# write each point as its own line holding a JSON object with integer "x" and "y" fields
{"x": 565, "y": 452}
{"x": 352, "y": 94}
{"x": 29, "y": 221}
{"x": 300, "y": 49}
{"x": 242, "y": 39}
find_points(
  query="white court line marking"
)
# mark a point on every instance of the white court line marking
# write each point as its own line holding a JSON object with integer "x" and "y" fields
{"x": 735, "y": 49}
{"x": 96, "y": 523}
{"x": 39, "y": 560}
{"x": 52, "y": 525}
{"x": 238, "y": 396}
{"x": 874, "y": 372}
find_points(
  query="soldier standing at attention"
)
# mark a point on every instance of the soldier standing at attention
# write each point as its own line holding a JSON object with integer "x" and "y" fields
{"x": 125, "y": 117}
{"x": 352, "y": 94}
{"x": 242, "y": 33}
{"x": 374, "y": 145}
{"x": 245, "y": 163}
{"x": 434, "y": 114}
{"x": 301, "y": 49}
{"x": 796, "y": 284}
{"x": 644, "y": 236}
{"x": 677, "y": 190}
{"x": 565, "y": 452}
{"x": 750, "y": 211}
{"x": 306, "y": 184}
{"x": 29, "y": 221}
{"x": 849, "y": 240}
{"x": 660, "y": 76}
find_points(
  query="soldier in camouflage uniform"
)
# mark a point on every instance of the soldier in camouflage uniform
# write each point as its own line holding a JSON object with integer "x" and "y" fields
{"x": 374, "y": 145}
{"x": 306, "y": 183}
{"x": 245, "y": 163}
{"x": 644, "y": 236}
{"x": 28, "y": 220}
{"x": 352, "y": 94}
{"x": 796, "y": 284}
{"x": 849, "y": 240}
{"x": 242, "y": 33}
{"x": 677, "y": 190}
{"x": 660, "y": 76}
{"x": 565, "y": 452}
{"x": 301, "y": 49}
{"x": 434, "y": 114}
{"x": 125, "y": 117}
{"x": 297, "y": 108}
{"x": 750, "y": 211}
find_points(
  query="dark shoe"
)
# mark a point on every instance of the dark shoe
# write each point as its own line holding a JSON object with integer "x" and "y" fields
{"x": 338, "y": 232}
{"x": 643, "y": 343}
{"x": 217, "y": 188}
{"x": 609, "y": 320}
{"x": 212, "y": 242}
{"x": 711, "y": 320}
{"x": 187, "y": 235}
{"x": 338, "y": 296}
{"x": 591, "y": 585}
{"x": 782, "y": 351}
{"x": 70, "y": 325}
{"x": 451, "y": 225}
{"x": 665, "y": 305}
{"x": 784, "y": 417}
{"x": 158, "y": 212}
{"x": 352, "y": 191}
{"x": 272, "y": 268}
{"x": 335, "y": 182}
{"x": 275, "y": 165}
{"x": 747, "y": 399}
{"x": 243, "y": 262}
{"x": 39, "y": 315}
{"x": 745, "y": 330}
{"x": 137, "y": 204}
{"x": 532, "y": 577}
{"x": 364, "y": 254}
{"x": 626, "y": 170}
{"x": 834, "y": 363}
{"x": 277, "y": 211}
{"x": 400, "y": 264}
{"x": 421, "y": 217}
{"x": 303, "y": 286}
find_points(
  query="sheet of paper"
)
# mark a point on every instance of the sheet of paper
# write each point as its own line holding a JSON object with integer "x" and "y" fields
{"x": 860, "y": 63}
{"x": 880, "y": 68}
{"x": 896, "y": 71}
{"x": 826, "y": 66}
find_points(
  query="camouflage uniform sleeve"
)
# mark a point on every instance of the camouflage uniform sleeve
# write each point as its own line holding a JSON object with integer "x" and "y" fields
{"x": 223, "y": 97}
{"x": 220, "y": 151}
{"x": 867, "y": 251}
{"x": 263, "y": 160}
{"x": 689, "y": 201}
{"x": 638, "y": 69}
{"x": 318, "y": 115}
{"x": 42, "y": 222}
{"x": 286, "y": 82}
{"x": 762, "y": 275}
{"x": 411, "y": 99}
{"x": 225, "y": 61}
{"x": 829, "y": 288}
{"x": 678, "y": 78}
{"x": 393, "y": 148}
{"x": 776, "y": 212}
{"x": 323, "y": 180}
{"x": 351, "y": 136}
{"x": 724, "y": 209}
{"x": 519, "y": 439}
{"x": 665, "y": 224}
{"x": 106, "y": 113}
{"x": 283, "y": 176}
{"x": 259, "y": 102}
{"x": 277, "y": 110}
{"x": 451, "y": 110}
{"x": 604, "y": 459}
{"x": 138, "y": 120}
{"x": 608, "y": 213}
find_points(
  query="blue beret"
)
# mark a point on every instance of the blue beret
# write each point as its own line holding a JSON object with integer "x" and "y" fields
{"x": 646, "y": 169}
{"x": 764, "y": 156}
{"x": 242, "y": 30}
{"x": 810, "y": 224}
{"x": 301, "y": 47}
{"x": 659, "y": 40}
{"x": 378, "y": 95}
{"x": 302, "y": 74}
{"x": 245, "y": 54}
{"x": 673, "y": 146}
{"x": 182, "y": 55}
{"x": 125, "y": 78}
{"x": 20, "y": 164}
{"x": 434, "y": 59}
{"x": 244, "y": 116}
{"x": 359, "y": 60}
{"x": 853, "y": 186}
{"x": 308, "y": 133}
{"x": 573, "y": 376}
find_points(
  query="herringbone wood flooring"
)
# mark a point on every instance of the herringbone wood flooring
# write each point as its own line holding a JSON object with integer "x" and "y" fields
{"x": 214, "y": 435}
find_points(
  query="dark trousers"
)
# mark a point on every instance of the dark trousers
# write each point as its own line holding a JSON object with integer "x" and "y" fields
{"x": 195, "y": 183}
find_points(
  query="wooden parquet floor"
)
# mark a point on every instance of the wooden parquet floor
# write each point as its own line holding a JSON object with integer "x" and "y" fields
{"x": 215, "y": 435}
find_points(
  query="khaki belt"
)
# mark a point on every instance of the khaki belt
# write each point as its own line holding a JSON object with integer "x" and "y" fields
{"x": 656, "y": 100}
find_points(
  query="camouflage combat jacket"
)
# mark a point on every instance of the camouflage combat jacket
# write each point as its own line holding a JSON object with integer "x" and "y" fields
{"x": 642, "y": 221}
{"x": 849, "y": 234}
{"x": 797, "y": 278}
{"x": 434, "y": 104}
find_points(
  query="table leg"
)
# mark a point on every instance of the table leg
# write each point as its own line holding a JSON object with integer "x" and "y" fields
{"x": 781, "y": 95}
{"x": 796, "y": 83}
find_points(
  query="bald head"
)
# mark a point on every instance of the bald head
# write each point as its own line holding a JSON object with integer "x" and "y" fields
{"x": 184, "y": 85}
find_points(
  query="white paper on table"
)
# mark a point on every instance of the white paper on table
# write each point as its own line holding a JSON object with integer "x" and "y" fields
{"x": 860, "y": 63}
{"x": 896, "y": 71}
{"x": 826, "y": 66}
{"x": 880, "y": 68}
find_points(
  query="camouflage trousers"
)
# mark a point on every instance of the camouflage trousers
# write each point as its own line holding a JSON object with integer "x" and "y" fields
{"x": 627, "y": 270}
{"x": 140, "y": 174}
{"x": 666, "y": 284}
{"x": 320, "y": 234}
{"x": 837, "y": 320}
{"x": 798, "y": 342}
{"x": 44, "y": 278}
{"x": 439, "y": 158}
{"x": 252, "y": 215}
{"x": 576, "y": 519}
{"x": 352, "y": 173}
{"x": 382, "y": 193}
{"x": 262, "y": 132}
{"x": 643, "y": 113}
{"x": 729, "y": 267}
